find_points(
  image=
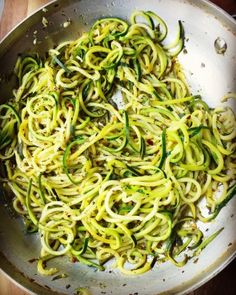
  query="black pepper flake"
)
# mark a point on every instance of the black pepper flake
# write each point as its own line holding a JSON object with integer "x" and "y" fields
{"x": 60, "y": 276}
{"x": 195, "y": 261}
{"x": 32, "y": 260}
{"x": 182, "y": 271}
{"x": 102, "y": 285}
{"x": 124, "y": 285}
{"x": 110, "y": 271}
{"x": 164, "y": 280}
{"x": 230, "y": 244}
{"x": 185, "y": 51}
{"x": 203, "y": 65}
{"x": 67, "y": 286}
{"x": 207, "y": 229}
{"x": 232, "y": 215}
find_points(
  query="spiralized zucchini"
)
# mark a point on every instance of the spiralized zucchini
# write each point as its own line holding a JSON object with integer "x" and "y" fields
{"x": 127, "y": 177}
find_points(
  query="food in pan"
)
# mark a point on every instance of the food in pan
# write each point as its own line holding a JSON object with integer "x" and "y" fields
{"x": 109, "y": 154}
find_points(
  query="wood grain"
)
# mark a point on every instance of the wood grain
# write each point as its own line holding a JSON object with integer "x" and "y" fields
{"x": 227, "y": 5}
{"x": 12, "y": 16}
{"x": 14, "y": 12}
{"x": 7, "y": 287}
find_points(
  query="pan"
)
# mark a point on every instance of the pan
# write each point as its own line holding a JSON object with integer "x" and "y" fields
{"x": 208, "y": 29}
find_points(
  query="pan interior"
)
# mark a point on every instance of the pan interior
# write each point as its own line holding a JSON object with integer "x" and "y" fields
{"x": 209, "y": 74}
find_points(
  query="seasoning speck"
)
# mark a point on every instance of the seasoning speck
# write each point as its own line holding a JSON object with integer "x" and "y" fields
{"x": 203, "y": 65}
{"x": 67, "y": 286}
{"x": 60, "y": 276}
{"x": 32, "y": 260}
{"x": 220, "y": 45}
{"x": 230, "y": 244}
{"x": 44, "y": 22}
{"x": 66, "y": 24}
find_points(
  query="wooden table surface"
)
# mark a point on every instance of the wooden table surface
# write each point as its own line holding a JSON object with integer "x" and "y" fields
{"x": 14, "y": 11}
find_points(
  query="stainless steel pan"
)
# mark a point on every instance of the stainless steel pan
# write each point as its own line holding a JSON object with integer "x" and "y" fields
{"x": 208, "y": 72}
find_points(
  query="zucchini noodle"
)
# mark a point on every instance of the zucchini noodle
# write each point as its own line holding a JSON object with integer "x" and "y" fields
{"x": 100, "y": 177}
